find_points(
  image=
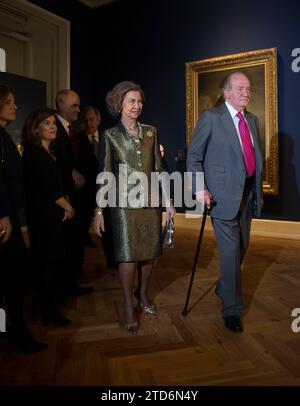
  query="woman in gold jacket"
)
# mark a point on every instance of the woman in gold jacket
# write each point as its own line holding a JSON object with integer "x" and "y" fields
{"x": 130, "y": 151}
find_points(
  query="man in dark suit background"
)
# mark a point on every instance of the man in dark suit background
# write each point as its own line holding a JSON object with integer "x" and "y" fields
{"x": 88, "y": 165}
{"x": 66, "y": 152}
{"x": 225, "y": 148}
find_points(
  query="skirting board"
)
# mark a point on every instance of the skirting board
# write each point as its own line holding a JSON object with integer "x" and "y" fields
{"x": 267, "y": 228}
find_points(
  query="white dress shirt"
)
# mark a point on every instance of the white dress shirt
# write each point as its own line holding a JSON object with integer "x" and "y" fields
{"x": 94, "y": 137}
{"x": 64, "y": 122}
{"x": 233, "y": 112}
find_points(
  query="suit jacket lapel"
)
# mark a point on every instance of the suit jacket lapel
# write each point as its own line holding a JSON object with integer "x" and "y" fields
{"x": 253, "y": 129}
{"x": 61, "y": 131}
{"x": 230, "y": 131}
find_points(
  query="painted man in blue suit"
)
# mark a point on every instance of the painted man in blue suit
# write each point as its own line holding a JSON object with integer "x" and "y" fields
{"x": 225, "y": 148}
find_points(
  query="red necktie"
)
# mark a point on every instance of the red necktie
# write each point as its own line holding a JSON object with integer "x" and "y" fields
{"x": 73, "y": 139}
{"x": 248, "y": 150}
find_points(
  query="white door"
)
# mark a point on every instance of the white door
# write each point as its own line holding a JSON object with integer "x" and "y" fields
{"x": 36, "y": 43}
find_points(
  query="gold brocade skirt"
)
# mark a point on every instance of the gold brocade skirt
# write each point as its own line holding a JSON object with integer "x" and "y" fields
{"x": 137, "y": 234}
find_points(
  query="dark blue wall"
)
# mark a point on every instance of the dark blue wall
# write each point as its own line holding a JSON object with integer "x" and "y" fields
{"x": 149, "y": 42}
{"x": 82, "y": 74}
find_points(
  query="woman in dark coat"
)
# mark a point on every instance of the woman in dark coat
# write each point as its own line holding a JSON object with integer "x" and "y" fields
{"x": 46, "y": 209}
{"x": 13, "y": 254}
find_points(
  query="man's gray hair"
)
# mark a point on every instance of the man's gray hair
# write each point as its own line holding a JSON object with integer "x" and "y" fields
{"x": 61, "y": 95}
{"x": 226, "y": 84}
{"x": 91, "y": 108}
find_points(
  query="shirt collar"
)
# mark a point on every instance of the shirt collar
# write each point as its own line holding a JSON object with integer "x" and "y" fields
{"x": 233, "y": 112}
{"x": 64, "y": 122}
{"x": 95, "y": 135}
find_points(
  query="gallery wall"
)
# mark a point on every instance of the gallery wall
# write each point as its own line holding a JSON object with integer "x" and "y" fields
{"x": 150, "y": 41}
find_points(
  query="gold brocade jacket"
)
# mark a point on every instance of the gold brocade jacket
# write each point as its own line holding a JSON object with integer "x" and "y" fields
{"x": 131, "y": 174}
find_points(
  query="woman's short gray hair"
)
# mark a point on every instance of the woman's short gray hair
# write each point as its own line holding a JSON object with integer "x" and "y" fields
{"x": 115, "y": 97}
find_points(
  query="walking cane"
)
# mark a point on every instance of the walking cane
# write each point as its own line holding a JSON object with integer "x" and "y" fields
{"x": 205, "y": 212}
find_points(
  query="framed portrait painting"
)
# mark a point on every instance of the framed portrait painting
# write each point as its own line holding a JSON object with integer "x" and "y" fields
{"x": 203, "y": 90}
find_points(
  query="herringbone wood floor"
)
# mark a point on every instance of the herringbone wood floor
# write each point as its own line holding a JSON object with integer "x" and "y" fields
{"x": 172, "y": 349}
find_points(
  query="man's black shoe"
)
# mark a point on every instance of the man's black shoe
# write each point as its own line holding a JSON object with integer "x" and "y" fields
{"x": 22, "y": 338}
{"x": 233, "y": 323}
{"x": 89, "y": 242}
{"x": 29, "y": 345}
{"x": 3, "y": 334}
{"x": 79, "y": 290}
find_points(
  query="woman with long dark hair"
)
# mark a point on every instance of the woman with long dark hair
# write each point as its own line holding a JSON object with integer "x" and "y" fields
{"x": 46, "y": 209}
{"x": 13, "y": 255}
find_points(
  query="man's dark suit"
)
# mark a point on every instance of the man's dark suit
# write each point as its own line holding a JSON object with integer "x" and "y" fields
{"x": 63, "y": 151}
{"x": 66, "y": 159}
{"x": 88, "y": 166}
{"x": 215, "y": 150}
{"x": 87, "y": 162}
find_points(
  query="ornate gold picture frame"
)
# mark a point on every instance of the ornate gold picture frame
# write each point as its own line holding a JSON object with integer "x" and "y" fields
{"x": 203, "y": 90}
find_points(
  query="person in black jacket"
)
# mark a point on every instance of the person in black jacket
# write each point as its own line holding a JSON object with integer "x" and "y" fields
{"x": 65, "y": 150}
{"x": 46, "y": 208}
{"x": 13, "y": 255}
{"x": 88, "y": 165}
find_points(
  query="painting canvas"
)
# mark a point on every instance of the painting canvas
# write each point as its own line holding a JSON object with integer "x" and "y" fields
{"x": 203, "y": 82}
{"x": 30, "y": 94}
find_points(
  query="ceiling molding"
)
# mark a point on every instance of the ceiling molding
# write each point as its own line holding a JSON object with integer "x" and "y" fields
{"x": 96, "y": 3}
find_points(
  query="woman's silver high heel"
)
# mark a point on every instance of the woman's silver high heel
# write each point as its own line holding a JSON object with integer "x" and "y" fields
{"x": 151, "y": 309}
{"x": 131, "y": 327}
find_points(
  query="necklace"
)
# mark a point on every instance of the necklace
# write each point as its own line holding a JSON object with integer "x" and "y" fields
{"x": 130, "y": 128}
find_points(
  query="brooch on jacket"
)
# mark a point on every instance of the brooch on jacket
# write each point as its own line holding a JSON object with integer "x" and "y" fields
{"x": 149, "y": 133}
